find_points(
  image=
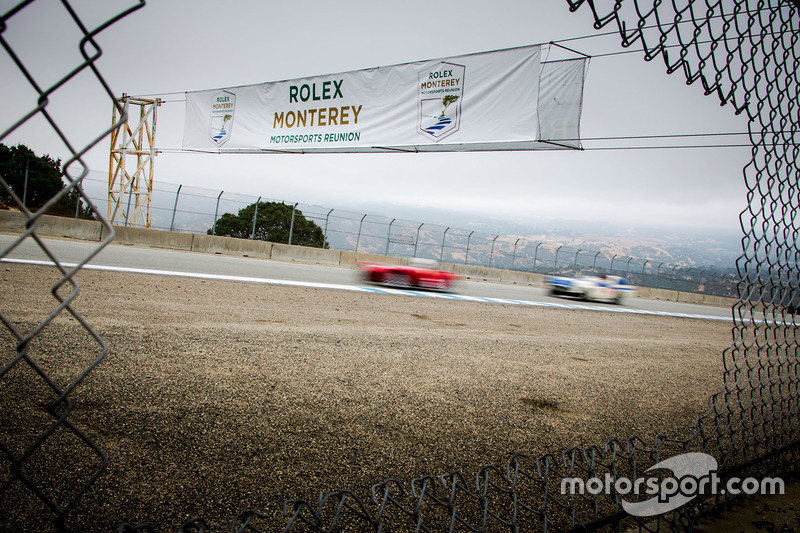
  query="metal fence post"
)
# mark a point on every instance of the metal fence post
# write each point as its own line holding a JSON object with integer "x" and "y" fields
{"x": 175, "y": 208}
{"x": 255, "y": 215}
{"x": 128, "y": 210}
{"x": 514, "y": 257}
{"x": 25, "y": 187}
{"x": 466, "y": 255}
{"x": 491, "y": 252}
{"x": 444, "y": 235}
{"x": 360, "y": 225}
{"x": 291, "y": 224}
{"x": 536, "y": 255}
{"x": 416, "y": 242}
{"x": 325, "y": 233}
{"x": 555, "y": 261}
{"x": 216, "y": 212}
{"x": 388, "y": 236}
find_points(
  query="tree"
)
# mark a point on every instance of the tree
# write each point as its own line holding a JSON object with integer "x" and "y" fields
{"x": 447, "y": 100}
{"x": 273, "y": 223}
{"x": 35, "y": 180}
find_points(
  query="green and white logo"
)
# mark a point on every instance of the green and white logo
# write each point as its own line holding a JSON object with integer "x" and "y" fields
{"x": 441, "y": 91}
{"x": 223, "y": 105}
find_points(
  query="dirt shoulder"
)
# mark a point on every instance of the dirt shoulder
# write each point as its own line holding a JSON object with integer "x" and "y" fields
{"x": 779, "y": 513}
{"x": 217, "y": 397}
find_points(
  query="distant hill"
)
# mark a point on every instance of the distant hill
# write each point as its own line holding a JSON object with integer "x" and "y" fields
{"x": 476, "y": 239}
{"x": 673, "y": 246}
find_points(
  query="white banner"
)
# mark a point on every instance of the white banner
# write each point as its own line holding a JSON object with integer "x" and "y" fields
{"x": 486, "y": 101}
{"x": 561, "y": 102}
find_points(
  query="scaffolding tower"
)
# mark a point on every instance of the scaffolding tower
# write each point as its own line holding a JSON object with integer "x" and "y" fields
{"x": 132, "y": 162}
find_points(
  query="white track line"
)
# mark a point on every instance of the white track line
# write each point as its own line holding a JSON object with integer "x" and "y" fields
{"x": 375, "y": 290}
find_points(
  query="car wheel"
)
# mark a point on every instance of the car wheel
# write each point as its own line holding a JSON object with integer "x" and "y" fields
{"x": 396, "y": 279}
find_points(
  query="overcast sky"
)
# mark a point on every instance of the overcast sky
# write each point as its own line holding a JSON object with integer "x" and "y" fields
{"x": 172, "y": 46}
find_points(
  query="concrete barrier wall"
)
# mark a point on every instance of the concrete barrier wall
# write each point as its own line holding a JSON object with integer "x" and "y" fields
{"x": 49, "y": 226}
{"x": 351, "y": 258}
{"x": 685, "y": 297}
{"x": 11, "y": 221}
{"x": 305, "y": 254}
{"x": 88, "y": 230}
{"x": 153, "y": 238}
{"x": 474, "y": 272}
{"x": 658, "y": 294}
{"x": 214, "y": 244}
{"x": 527, "y": 278}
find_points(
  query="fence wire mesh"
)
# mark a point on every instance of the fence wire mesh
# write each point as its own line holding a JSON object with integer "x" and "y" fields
{"x": 744, "y": 54}
{"x": 49, "y": 439}
{"x": 187, "y": 209}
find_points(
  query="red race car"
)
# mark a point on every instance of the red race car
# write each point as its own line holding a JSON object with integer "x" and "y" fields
{"x": 420, "y": 273}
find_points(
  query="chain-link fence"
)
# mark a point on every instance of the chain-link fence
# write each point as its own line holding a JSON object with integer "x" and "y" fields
{"x": 196, "y": 210}
{"x": 744, "y": 54}
{"x": 39, "y": 434}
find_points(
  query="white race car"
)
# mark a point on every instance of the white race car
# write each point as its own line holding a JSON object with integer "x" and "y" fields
{"x": 604, "y": 287}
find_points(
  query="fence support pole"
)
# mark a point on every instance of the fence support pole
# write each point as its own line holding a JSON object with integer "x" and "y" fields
{"x": 514, "y": 257}
{"x": 255, "y": 215}
{"x": 612, "y": 263}
{"x": 466, "y": 255}
{"x": 416, "y": 241}
{"x": 25, "y": 187}
{"x": 658, "y": 273}
{"x": 128, "y": 210}
{"x": 177, "y": 194}
{"x": 291, "y": 224}
{"x": 576, "y": 257}
{"x": 491, "y": 252}
{"x": 325, "y": 233}
{"x": 388, "y": 236}
{"x": 594, "y": 263}
{"x": 444, "y": 235}
{"x": 536, "y": 256}
{"x": 360, "y": 225}
{"x": 216, "y": 212}
{"x": 555, "y": 261}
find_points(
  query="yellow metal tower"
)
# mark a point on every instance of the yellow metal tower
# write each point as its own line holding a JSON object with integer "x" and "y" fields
{"x": 132, "y": 162}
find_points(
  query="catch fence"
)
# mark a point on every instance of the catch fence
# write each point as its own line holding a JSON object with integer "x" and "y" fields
{"x": 742, "y": 53}
{"x": 196, "y": 210}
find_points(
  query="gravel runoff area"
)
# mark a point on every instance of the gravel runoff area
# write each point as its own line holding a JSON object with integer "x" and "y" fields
{"x": 217, "y": 397}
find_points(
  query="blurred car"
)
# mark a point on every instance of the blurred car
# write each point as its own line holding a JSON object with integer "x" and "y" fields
{"x": 604, "y": 287}
{"x": 420, "y": 273}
